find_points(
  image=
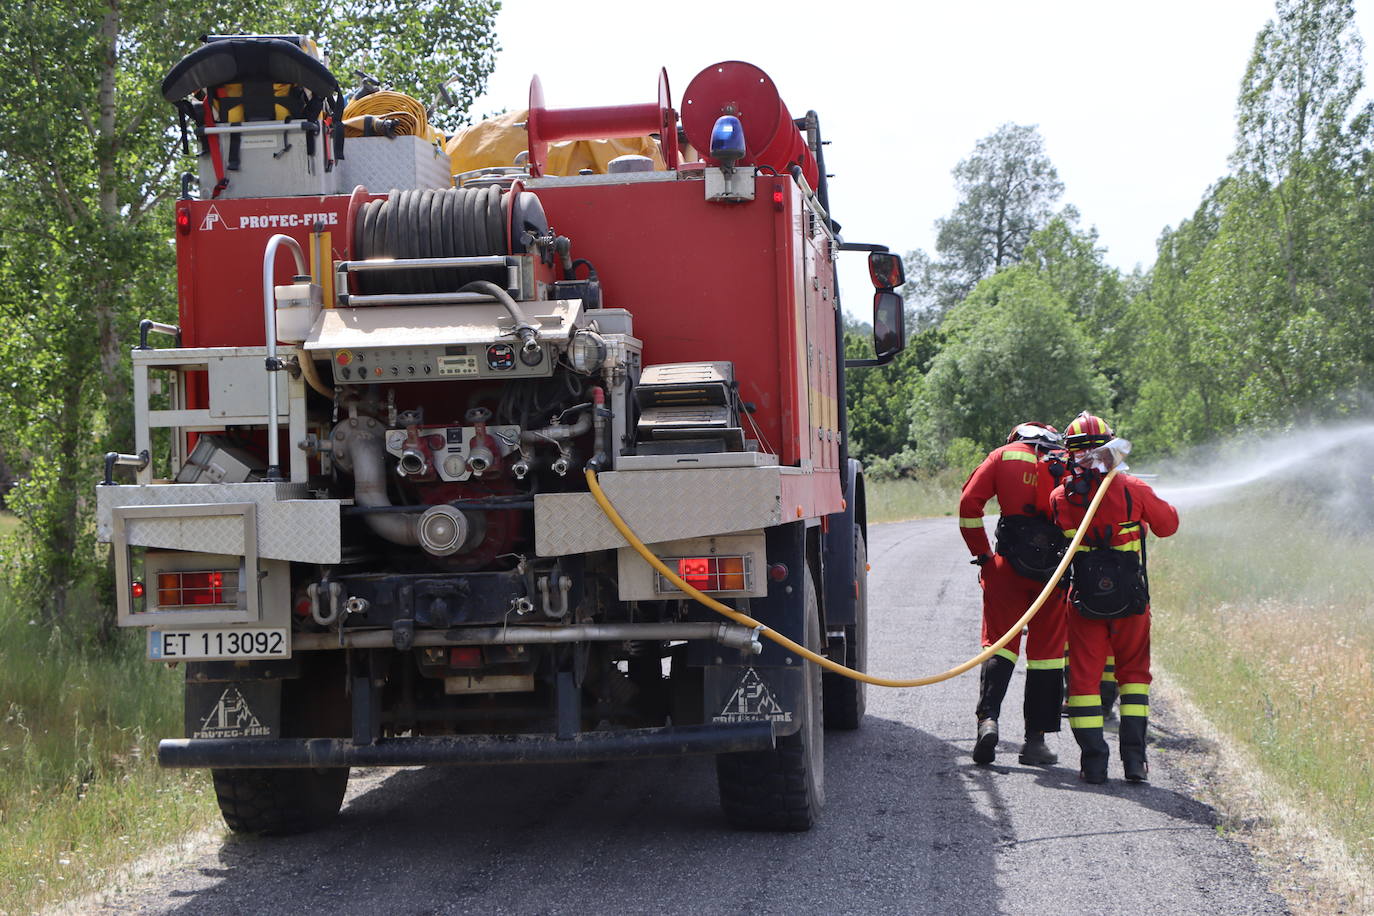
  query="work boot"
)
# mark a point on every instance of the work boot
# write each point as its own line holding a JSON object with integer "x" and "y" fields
{"x": 985, "y": 748}
{"x": 1131, "y": 739}
{"x": 1035, "y": 752}
{"x": 1086, "y": 721}
{"x": 993, "y": 677}
{"x": 1092, "y": 760}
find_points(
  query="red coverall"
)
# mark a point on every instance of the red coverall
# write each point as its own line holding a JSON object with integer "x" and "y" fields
{"x": 1022, "y": 484}
{"x": 1128, "y": 511}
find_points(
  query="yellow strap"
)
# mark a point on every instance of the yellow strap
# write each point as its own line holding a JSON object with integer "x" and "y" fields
{"x": 1045, "y": 664}
{"x": 1018, "y": 456}
{"x": 1135, "y": 709}
{"x": 1085, "y": 699}
{"x": 1132, "y": 547}
{"x": 1128, "y": 690}
{"x": 1008, "y": 655}
{"x": 1086, "y": 721}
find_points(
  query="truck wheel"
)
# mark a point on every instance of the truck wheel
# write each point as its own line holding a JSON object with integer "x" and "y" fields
{"x": 846, "y": 698}
{"x": 782, "y": 789}
{"x": 277, "y": 802}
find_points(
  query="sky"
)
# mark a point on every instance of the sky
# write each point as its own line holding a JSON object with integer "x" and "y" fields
{"x": 1135, "y": 101}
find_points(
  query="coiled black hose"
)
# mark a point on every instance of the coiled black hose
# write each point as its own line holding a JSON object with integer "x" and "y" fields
{"x": 430, "y": 223}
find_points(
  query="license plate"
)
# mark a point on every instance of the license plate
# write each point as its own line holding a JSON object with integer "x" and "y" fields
{"x": 193, "y": 645}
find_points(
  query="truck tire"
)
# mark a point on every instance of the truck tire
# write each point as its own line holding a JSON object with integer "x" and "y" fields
{"x": 278, "y": 802}
{"x": 782, "y": 789}
{"x": 845, "y": 698}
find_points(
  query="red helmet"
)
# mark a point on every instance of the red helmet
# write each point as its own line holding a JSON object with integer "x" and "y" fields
{"x": 1087, "y": 432}
{"x": 1041, "y": 435}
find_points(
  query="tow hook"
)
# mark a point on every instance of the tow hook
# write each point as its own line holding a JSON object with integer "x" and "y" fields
{"x": 558, "y": 608}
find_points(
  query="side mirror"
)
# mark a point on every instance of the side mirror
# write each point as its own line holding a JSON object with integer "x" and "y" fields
{"x": 885, "y": 269}
{"x": 889, "y": 321}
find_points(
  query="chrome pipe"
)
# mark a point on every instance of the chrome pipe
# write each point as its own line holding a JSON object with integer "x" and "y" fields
{"x": 417, "y": 263}
{"x": 417, "y": 298}
{"x": 269, "y": 307}
{"x": 730, "y": 635}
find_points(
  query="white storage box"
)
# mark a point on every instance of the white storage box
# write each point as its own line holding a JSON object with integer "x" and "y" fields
{"x": 271, "y": 164}
{"x": 383, "y": 163}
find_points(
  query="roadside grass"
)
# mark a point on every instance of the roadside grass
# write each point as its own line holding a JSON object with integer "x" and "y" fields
{"x": 925, "y": 497}
{"x": 9, "y": 523}
{"x": 1265, "y": 613}
{"x": 81, "y": 793}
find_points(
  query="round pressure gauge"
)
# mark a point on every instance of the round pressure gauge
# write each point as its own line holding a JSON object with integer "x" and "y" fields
{"x": 501, "y": 356}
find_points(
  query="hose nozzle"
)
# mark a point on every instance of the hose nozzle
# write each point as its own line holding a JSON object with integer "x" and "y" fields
{"x": 1112, "y": 455}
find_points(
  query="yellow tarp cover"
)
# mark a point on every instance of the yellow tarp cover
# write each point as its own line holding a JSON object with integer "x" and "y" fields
{"x": 497, "y": 141}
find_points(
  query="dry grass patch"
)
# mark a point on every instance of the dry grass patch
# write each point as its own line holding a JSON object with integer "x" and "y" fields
{"x": 908, "y": 498}
{"x": 81, "y": 794}
{"x": 1265, "y": 616}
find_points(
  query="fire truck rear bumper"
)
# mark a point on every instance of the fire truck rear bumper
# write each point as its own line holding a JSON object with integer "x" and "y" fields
{"x": 240, "y": 753}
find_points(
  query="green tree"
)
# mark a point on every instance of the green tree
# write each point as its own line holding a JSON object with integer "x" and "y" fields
{"x": 1071, "y": 261}
{"x": 1007, "y": 189}
{"x": 87, "y": 158}
{"x": 878, "y": 398}
{"x": 1258, "y": 307}
{"x": 1015, "y": 352}
{"x": 1293, "y": 249}
{"x": 415, "y": 47}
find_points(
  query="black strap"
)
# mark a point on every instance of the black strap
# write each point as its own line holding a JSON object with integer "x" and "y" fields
{"x": 259, "y": 101}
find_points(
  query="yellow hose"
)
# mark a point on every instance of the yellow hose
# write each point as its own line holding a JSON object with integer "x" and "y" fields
{"x": 406, "y": 111}
{"x": 745, "y": 620}
{"x": 312, "y": 373}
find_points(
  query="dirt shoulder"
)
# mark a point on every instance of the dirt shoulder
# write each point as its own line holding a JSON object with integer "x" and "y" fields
{"x": 1312, "y": 870}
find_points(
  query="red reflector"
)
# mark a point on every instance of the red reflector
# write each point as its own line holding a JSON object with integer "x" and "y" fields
{"x": 137, "y": 589}
{"x": 465, "y": 657}
{"x": 184, "y": 220}
{"x": 777, "y": 197}
{"x": 695, "y": 571}
{"x": 777, "y": 571}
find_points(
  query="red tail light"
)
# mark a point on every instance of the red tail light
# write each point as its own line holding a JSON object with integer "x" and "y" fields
{"x": 196, "y": 589}
{"x": 710, "y": 574}
{"x": 465, "y": 657}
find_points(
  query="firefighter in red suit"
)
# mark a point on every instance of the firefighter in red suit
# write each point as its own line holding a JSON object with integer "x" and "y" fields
{"x": 1021, "y": 475}
{"x": 1109, "y": 610}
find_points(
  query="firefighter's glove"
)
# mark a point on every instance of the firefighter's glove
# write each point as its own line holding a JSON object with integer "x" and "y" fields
{"x": 980, "y": 560}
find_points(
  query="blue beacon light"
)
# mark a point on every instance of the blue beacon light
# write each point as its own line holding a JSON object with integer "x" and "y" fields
{"x": 727, "y": 141}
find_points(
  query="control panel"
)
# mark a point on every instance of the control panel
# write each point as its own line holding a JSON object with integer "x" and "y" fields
{"x": 437, "y": 363}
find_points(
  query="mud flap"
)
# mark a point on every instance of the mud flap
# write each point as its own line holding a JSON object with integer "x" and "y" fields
{"x": 234, "y": 709}
{"x": 770, "y": 687}
{"x": 755, "y": 694}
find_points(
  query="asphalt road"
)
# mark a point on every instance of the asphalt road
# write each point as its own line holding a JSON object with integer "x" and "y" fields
{"x": 911, "y": 824}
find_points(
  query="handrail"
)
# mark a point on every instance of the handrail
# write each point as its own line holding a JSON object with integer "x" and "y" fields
{"x": 273, "y": 363}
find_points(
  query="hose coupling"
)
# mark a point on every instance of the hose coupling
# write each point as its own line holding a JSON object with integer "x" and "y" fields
{"x": 413, "y": 463}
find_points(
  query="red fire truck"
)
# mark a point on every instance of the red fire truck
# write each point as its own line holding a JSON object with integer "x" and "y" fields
{"x": 360, "y": 520}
